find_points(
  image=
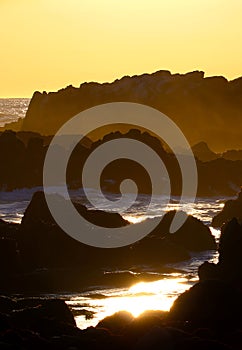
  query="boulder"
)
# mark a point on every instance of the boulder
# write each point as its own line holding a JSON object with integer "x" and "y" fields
{"x": 7, "y": 304}
{"x": 9, "y": 256}
{"x": 160, "y": 337}
{"x": 38, "y": 212}
{"x": 117, "y": 322}
{"x": 193, "y": 235}
{"x": 230, "y": 247}
{"x": 229, "y": 266}
{"x": 8, "y": 229}
{"x": 43, "y": 244}
{"x": 157, "y": 251}
{"x": 208, "y": 303}
{"x": 208, "y": 271}
{"x": 51, "y": 317}
{"x": 232, "y": 209}
{"x": 142, "y": 325}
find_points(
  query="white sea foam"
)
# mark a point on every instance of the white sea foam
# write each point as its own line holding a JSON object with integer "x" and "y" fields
{"x": 12, "y": 108}
{"x": 13, "y": 204}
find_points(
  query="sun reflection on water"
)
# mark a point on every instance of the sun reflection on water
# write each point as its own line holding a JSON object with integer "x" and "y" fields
{"x": 157, "y": 295}
{"x": 134, "y": 219}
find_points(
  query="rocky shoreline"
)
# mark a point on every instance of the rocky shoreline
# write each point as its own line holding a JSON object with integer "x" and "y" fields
{"x": 207, "y": 316}
{"x": 37, "y": 256}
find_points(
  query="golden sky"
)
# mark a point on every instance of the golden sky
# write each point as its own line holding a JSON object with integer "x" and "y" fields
{"x": 48, "y": 44}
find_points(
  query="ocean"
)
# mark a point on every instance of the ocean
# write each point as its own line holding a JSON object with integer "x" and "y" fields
{"x": 12, "y": 108}
{"x": 98, "y": 302}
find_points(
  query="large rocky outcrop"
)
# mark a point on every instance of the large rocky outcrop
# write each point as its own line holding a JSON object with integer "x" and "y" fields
{"x": 206, "y": 109}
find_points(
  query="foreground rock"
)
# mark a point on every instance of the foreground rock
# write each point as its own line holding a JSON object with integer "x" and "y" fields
{"x": 208, "y": 316}
{"x": 229, "y": 266}
{"x": 216, "y": 301}
{"x": 37, "y": 323}
{"x": 157, "y": 330}
{"x": 209, "y": 302}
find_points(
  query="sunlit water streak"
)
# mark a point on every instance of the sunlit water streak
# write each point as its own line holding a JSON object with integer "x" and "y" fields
{"x": 157, "y": 295}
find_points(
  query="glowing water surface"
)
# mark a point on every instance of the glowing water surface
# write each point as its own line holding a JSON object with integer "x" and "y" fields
{"x": 157, "y": 295}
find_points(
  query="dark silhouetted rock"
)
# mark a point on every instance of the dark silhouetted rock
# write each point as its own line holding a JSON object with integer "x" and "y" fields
{"x": 232, "y": 209}
{"x": 38, "y": 212}
{"x": 43, "y": 244}
{"x": 229, "y": 266}
{"x": 7, "y": 304}
{"x": 51, "y": 317}
{"x": 202, "y": 152}
{"x": 232, "y": 155}
{"x": 213, "y": 101}
{"x": 8, "y": 230}
{"x": 192, "y": 343}
{"x": 193, "y": 235}
{"x": 208, "y": 271}
{"x": 117, "y": 322}
{"x": 11, "y": 159}
{"x": 156, "y": 337}
{"x": 9, "y": 257}
{"x": 157, "y": 251}
{"x": 209, "y": 302}
{"x": 27, "y": 150}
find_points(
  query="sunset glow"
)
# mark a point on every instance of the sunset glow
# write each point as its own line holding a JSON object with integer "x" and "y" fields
{"x": 46, "y": 45}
